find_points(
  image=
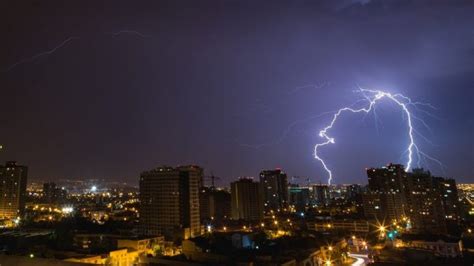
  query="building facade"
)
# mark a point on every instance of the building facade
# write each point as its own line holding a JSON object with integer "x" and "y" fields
{"x": 275, "y": 190}
{"x": 299, "y": 197}
{"x": 386, "y": 197}
{"x": 321, "y": 196}
{"x": 246, "y": 200}
{"x": 428, "y": 202}
{"x": 13, "y": 178}
{"x": 169, "y": 202}
{"x": 214, "y": 204}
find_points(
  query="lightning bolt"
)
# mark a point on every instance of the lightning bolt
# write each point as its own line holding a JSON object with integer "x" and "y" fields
{"x": 34, "y": 57}
{"x": 373, "y": 97}
{"x": 49, "y": 52}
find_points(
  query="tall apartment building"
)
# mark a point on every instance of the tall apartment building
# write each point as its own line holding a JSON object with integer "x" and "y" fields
{"x": 13, "y": 178}
{"x": 354, "y": 192}
{"x": 275, "y": 190}
{"x": 426, "y": 200}
{"x": 384, "y": 206}
{"x": 214, "y": 204}
{"x": 246, "y": 200}
{"x": 434, "y": 202}
{"x": 321, "y": 196}
{"x": 169, "y": 202}
{"x": 386, "y": 196}
{"x": 450, "y": 198}
{"x": 299, "y": 197}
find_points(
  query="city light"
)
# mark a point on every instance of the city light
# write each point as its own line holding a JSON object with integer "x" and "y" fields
{"x": 67, "y": 210}
{"x": 122, "y": 121}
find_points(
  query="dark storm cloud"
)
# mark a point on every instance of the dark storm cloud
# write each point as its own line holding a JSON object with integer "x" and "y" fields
{"x": 174, "y": 82}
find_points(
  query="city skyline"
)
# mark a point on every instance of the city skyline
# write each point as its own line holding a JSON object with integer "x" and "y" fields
{"x": 237, "y": 132}
{"x": 133, "y": 90}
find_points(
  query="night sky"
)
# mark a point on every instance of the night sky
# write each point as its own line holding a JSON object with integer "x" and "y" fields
{"x": 233, "y": 86}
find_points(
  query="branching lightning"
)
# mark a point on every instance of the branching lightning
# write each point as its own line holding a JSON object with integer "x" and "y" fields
{"x": 32, "y": 58}
{"x": 373, "y": 97}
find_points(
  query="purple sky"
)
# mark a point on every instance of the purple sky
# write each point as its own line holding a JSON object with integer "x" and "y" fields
{"x": 178, "y": 82}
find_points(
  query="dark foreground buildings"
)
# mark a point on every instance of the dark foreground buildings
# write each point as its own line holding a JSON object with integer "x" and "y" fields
{"x": 13, "y": 192}
{"x": 214, "y": 204}
{"x": 246, "y": 200}
{"x": 429, "y": 203}
{"x": 54, "y": 194}
{"x": 169, "y": 202}
{"x": 274, "y": 190}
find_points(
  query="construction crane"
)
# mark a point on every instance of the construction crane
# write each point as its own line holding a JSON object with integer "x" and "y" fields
{"x": 212, "y": 177}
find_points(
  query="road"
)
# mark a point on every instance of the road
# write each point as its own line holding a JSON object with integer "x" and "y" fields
{"x": 361, "y": 259}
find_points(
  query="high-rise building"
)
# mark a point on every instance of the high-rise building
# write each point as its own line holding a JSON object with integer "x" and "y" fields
{"x": 450, "y": 199}
{"x": 386, "y": 195}
{"x": 433, "y": 201}
{"x": 275, "y": 190}
{"x": 299, "y": 197}
{"x": 426, "y": 200}
{"x": 169, "y": 202}
{"x": 383, "y": 206}
{"x": 321, "y": 196}
{"x": 246, "y": 200}
{"x": 388, "y": 179}
{"x": 354, "y": 192}
{"x": 214, "y": 204}
{"x": 13, "y": 178}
